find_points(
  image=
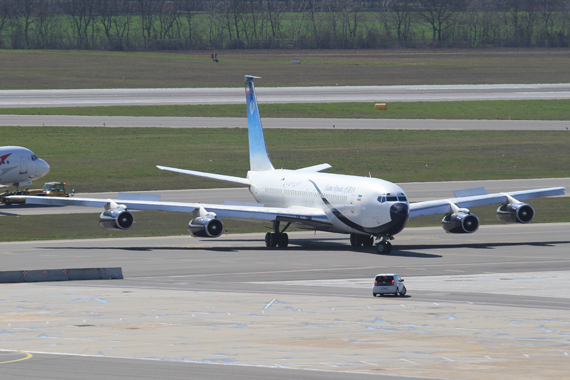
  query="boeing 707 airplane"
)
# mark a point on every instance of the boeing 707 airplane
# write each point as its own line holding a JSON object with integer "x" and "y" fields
{"x": 367, "y": 209}
{"x": 20, "y": 166}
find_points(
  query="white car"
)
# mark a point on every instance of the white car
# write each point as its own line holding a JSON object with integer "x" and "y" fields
{"x": 388, "y": 283}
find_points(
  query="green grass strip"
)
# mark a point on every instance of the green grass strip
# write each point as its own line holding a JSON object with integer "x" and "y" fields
{"x": 482, "y": 110}
{"x": 124, "y": 159}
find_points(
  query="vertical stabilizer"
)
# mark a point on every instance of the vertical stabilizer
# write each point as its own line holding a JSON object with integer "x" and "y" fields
{"x": 258, "y": 156}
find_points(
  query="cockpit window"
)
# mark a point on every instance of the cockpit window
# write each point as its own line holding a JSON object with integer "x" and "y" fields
{"x": 392, "y": 198}
{"x": 382, "y": 199}
{"x": 34, "y": 157}
{"x": 402, "y": 198}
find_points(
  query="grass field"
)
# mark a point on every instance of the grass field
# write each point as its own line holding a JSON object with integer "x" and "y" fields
{"x": 48, "y": 69}
{"x": 112, "y": 159}
{"x": 482, "y": 110}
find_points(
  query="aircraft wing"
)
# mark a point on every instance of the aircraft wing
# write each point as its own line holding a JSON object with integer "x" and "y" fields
{"x": 443, "y": 206}
{"x": 222, "y": 211}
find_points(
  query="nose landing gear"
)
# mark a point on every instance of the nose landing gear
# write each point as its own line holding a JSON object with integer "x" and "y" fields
{"x": 384, "y": 247}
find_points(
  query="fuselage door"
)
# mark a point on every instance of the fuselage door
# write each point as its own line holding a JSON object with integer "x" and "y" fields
{"x": 23, "y": 165}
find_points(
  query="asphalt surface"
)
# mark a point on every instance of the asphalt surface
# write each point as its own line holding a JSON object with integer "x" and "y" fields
{"x": 494, "y": 304}
{"x": 268, "y": 123}
{"x": 333, "y": 94}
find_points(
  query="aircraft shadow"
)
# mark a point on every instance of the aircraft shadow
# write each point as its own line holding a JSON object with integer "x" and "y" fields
{"x": 405, "y": 250}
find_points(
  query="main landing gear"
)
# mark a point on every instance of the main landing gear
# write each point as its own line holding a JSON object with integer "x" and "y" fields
{"x": 278, "y": 238}
{"x": 383, "y": 247}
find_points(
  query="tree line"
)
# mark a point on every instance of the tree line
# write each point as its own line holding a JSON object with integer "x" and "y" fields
{"x": 281, "y": 24}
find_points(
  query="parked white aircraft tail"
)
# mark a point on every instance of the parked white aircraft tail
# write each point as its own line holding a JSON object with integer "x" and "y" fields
{"x": 365, "y": 208}
{"x": 20, "y": 166}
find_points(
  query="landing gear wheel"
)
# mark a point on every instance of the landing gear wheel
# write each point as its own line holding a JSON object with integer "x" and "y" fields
{"x": 384, "y": 248}
{"x": 271, "y": 240}
{"x": 283, "y": 240}
{"x": 369, "y": 241}
{"x": 355, "y": 240}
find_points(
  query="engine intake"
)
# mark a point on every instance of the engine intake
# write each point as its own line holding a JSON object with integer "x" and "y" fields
{"x": 460, "y": 223}
{"x": 206, "y": 227}
{"x": 116, "y": 219}
{"x": 515, "y": 213}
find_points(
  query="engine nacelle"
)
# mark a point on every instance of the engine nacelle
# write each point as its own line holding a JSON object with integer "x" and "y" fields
{"x": 206, "y": 227}
{"x": 515, "y": 213}
{"x": 116, "y": 219}
{"x": 460, "y": 223}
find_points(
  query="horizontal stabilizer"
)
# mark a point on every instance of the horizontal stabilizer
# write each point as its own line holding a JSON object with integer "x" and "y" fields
{"x": 470, "y": 192}
{"x": 315, "y": 168}
{"x": 219, "y": 177}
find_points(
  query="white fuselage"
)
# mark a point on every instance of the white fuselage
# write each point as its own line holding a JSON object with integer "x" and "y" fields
{"x": 20, "y": 166}
{"x": 353, "y": 204}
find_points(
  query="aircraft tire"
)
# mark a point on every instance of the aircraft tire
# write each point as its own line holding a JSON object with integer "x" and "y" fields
{"x": 384, "y": 248}
{"x": 283, "y": 240}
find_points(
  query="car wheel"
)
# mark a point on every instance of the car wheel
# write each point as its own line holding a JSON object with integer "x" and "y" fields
{"x": 375, "y": 295}
{"x": 403, "y": 291}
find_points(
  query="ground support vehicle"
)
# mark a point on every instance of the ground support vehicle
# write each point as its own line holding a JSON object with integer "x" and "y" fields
{"x": 388, "y": 283}
{"x": 50, "y": 189}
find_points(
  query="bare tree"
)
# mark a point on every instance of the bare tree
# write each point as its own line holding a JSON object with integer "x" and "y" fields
{"x": 438, "y": 12}
{"x": 24, "y": 12}
{"x": 82, "y": 14}
{"x": 147, "y": 10}
{"x": 115, "y": 16}
{"x": 45, "y": 22}
{"x": 551, "y": 15}
{"x": 6, "y": 13}
{"x": 315, "y": 9}
{"x": 274, "y": 10}
{"x": 189, "y": 8}
{"x": 351, "y": 17}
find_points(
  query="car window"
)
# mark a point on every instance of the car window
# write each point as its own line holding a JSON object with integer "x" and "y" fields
{"x": 384, "y": 280}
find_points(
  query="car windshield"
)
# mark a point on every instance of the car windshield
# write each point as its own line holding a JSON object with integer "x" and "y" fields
{"x": 48, "y": 187}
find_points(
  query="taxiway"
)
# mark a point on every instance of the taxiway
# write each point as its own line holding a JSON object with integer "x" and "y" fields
{"x": 331, "y": 94}
{"x": 493, "y": 304}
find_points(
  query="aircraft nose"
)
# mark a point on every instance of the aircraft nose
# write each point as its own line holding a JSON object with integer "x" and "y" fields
{"x": 399, "y": 212}
{"x": 43, "y": 168}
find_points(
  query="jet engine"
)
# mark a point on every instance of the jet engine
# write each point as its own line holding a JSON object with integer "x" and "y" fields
{"x": 206, "y": 227}
{"x": 460, "y": 223}
{"x": 509, "y": 213}
{"x": 116, "y": 219}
